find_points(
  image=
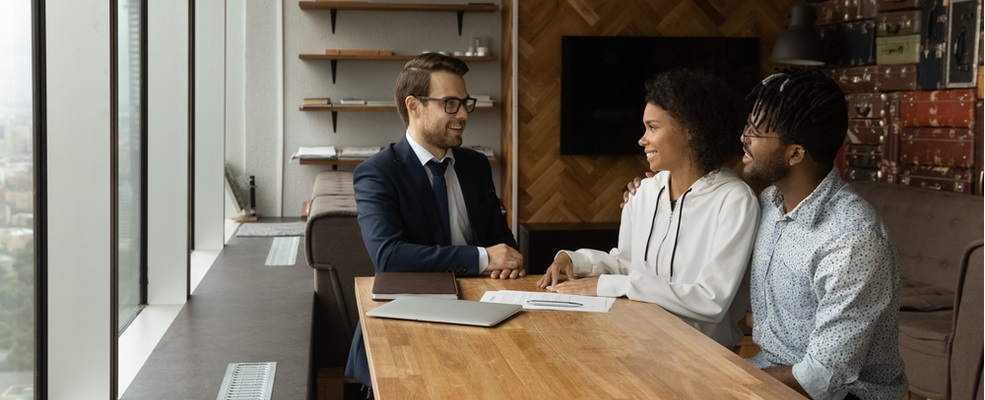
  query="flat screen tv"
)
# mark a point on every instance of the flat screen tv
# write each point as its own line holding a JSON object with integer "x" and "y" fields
{"x": 602, "y": 82}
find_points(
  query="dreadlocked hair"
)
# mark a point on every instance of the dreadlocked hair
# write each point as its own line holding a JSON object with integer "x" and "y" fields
{"x": 706, "y": 108}
{"x": 805, "y": 107}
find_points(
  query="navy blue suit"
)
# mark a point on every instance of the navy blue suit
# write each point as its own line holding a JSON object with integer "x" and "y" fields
{"x": 401, "y": 227}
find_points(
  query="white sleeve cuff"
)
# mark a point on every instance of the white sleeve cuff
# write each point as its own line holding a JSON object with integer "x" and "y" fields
{"x": 483, "y": 260}
{"x": 612, "y": 285}
{"x": 814, "y": 377}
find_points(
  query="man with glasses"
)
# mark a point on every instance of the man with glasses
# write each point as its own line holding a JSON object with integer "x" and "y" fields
{"x": 424, "y": 203}
{"x": 825, "y": 280}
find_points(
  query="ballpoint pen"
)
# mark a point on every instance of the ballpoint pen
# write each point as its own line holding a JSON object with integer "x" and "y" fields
{"x": 553, "y": 303}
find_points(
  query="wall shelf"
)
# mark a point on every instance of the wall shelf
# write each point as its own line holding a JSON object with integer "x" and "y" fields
{"x": 334, "y": 58}
{"x": 335, "y": 109}
{"x": 334, "y": 6}
{"x": 335, "y": 163}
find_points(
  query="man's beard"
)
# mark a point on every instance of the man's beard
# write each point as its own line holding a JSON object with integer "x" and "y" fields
{"x": 769, "y": 170}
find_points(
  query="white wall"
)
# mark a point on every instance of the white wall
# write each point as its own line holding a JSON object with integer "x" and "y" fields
{"x": 235, "y": 82}
{"x": 78, "y": 190}
{"x": 167, "y": 161}
{"x": 210, "y": 124}
{"x": 310, "y": 32}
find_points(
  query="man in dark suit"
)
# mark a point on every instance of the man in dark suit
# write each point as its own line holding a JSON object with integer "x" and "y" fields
{"x": 424, "y": 203}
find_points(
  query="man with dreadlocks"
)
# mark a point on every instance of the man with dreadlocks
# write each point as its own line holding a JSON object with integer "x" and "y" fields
{"x": 824, "y": 279}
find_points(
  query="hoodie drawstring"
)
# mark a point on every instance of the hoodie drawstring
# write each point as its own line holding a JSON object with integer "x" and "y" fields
{"x": 680, "y": 216}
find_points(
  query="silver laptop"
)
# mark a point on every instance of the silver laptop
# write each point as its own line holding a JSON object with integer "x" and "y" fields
{"x": 463, "y": 312}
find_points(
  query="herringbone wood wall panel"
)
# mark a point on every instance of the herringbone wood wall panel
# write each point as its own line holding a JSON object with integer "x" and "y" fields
{"x": 555, "y": 188}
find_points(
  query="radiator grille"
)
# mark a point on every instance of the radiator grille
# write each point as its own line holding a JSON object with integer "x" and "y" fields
{"x": 283, "y": 251}
{"x": 248, "y": 381}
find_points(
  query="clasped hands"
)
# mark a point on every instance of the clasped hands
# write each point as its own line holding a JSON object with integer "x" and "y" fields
{"x": 505, "y": 262}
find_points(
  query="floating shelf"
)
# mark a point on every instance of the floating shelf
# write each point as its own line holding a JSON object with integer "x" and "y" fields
{"x": 334, "y": 6}
{"x": 336, "y": 162}
{"x": 335, "y": 109}
{"x": 334, "y": 58}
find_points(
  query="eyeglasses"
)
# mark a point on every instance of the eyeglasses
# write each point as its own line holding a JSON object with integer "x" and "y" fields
{"x": 751, "y": 127}
{"x": 453, "y": 104}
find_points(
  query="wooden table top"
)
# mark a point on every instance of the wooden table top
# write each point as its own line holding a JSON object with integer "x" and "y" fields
{"x": 636, "y": 350}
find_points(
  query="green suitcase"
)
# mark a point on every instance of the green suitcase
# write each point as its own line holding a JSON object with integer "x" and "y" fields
{"x": 892, "y": 50}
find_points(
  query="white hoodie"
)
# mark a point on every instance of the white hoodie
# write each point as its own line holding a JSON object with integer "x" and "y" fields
{"x": 694, "y": 266}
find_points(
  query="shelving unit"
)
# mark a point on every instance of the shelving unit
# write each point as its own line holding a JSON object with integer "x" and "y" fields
{"x": 334, "y": 6}
{"x": 334, "y": 58}
{"x": 336, "y": 109}
{"x": 337, "y": 162}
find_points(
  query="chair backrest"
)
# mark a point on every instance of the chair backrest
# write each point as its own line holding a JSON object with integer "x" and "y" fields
{"x": 964, "y": 364}
{"x": 930, "y": 229}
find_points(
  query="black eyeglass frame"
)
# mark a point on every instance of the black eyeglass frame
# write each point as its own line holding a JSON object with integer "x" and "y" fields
{"x": 750, "y": 126}
{"x": 449, "y": 102}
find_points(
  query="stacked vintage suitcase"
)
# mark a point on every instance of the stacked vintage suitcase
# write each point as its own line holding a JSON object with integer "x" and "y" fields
{"x": 909, "y": 70}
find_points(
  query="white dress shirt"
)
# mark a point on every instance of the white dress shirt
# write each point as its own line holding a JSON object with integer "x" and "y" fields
{"x": 458, "y": 217}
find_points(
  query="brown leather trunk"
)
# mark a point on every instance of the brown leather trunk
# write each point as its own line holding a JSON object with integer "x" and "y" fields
{"x": 944, "y": 147}
{"x": 870, "y": 105}
{"x": 898, "y": 23}
{"x": 889, "y": 166}
{"x": 893, "y": 78}
{"x": 868, "y": 131}
{"x": 875, "y": 78}
{"x": 893, "y": 5}
{"x": 954, "y": 108}
{"x": 863, "y": 155}
{"x": 836, "y": 11}
{"x": 948, "y": 179}
{"x": 862, "y": 174}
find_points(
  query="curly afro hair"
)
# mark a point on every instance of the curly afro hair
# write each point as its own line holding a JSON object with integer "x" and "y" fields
{"x": 710, "y": 112}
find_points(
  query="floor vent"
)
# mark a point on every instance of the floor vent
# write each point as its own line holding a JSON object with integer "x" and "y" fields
{"x": 283, "y": 251}
{"x": 248, "y": 381}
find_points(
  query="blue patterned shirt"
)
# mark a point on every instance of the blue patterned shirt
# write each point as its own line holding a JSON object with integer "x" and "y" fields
{"x": 825, "y": 294}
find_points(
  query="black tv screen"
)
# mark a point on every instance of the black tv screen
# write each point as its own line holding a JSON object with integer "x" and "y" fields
{"x": 602, "y": 82}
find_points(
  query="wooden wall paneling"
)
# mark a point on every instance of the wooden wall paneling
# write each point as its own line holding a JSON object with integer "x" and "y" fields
{"x": 555, "y": 188}
{"x": 506, "y": 167}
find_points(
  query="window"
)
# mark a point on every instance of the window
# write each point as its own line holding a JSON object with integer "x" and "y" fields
{"x": 131, "y": 290}
{"x": 17, "y": 202}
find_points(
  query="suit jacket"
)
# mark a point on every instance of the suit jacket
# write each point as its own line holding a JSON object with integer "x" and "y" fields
{"x": 399, "y": 218}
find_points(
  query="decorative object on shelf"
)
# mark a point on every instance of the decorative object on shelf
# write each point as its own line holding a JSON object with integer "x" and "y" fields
{"x": 315, "y": 153}
{"x": 317, "y": 101}
{"x": 799, "y": 44}
{"x": 358, "y": 152}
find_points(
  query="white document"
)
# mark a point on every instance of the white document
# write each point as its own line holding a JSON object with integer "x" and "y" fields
{"x": 549, "y": 301}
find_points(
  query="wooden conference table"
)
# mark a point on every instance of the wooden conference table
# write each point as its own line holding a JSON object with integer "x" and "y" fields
{"x": 636, "y": 350}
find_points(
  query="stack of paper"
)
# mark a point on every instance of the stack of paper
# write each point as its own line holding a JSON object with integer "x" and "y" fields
{"x": 352, "y": 102}
{"x": 483, "y": 100}
{"x": 355, "y": 152}
{"x": 320, "y": 153}
{"x": 550, "y": 301}
{"x": 380, "y": 103}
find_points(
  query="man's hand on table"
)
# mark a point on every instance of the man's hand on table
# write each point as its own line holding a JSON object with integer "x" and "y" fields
{"x": 505, "y": 262}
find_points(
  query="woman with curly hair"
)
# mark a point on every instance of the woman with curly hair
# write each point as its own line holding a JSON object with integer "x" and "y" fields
{"x": 685, "y": 238}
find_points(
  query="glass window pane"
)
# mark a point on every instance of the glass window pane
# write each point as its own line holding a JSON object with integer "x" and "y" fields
{"x": 17, "y": 327}
{"x": 130, "y": 172}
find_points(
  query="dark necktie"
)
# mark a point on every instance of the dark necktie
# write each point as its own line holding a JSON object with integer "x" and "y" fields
{"x": 441, "y": 196}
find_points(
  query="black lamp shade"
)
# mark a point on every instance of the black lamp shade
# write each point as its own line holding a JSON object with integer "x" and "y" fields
{"x": 799, "y": 44}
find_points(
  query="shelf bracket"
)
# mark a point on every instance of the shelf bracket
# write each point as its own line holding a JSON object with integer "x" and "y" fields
{"x": 461, "y": 14}
{"x": 336, "y": 10}
{"x": 335, "y": 121}
{"x": 335, "y": 64}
